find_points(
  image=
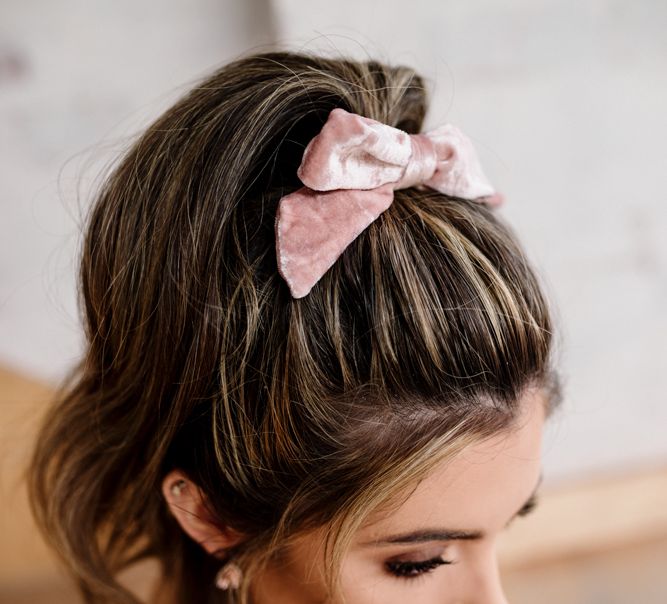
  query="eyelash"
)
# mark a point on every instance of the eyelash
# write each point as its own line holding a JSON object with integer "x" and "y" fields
{"x": 409, "y": 570}
{"x": 531, "y": 504}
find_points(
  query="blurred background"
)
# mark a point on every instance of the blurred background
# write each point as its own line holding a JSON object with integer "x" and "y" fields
{"x": 565, "y": 102}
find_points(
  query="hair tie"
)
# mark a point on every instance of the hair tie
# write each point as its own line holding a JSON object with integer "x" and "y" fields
{"x": 350, "y": 171}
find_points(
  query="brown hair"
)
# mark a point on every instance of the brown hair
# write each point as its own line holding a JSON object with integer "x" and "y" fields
{"x": 419, "y": 339}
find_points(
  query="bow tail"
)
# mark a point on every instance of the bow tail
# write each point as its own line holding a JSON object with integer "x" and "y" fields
{"x": 313, "y": 229}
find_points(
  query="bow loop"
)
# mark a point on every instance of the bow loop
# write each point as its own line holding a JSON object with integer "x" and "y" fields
{"x": 354, "y": 152}
{"x": 458, "y": 171}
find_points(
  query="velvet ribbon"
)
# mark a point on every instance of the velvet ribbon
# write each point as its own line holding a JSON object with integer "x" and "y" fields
{"x": 350, "y": 171}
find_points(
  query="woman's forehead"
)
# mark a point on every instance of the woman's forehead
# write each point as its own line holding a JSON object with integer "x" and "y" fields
{"x": 479, "y": 489}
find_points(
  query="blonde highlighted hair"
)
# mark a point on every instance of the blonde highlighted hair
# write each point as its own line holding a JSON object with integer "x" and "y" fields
{"x": 290, "y": 414}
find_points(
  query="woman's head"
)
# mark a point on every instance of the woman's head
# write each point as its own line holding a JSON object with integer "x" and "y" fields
{"x": 298, "y": 423}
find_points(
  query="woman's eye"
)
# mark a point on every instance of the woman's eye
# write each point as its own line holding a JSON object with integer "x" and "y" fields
{"x": 413, "y": 568}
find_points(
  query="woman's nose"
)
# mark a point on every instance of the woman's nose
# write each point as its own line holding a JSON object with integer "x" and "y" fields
{"x": 483, "y": 584}
{"x": 491, "y": 592}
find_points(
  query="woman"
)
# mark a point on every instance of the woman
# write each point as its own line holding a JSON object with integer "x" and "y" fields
{"x": 298, "y": 393}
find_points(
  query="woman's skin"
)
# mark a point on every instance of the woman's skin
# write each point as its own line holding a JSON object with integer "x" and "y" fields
{"x": 474, "y": 496}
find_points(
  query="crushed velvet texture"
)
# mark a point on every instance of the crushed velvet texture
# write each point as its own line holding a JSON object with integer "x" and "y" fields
{"x": 350, "y": 171}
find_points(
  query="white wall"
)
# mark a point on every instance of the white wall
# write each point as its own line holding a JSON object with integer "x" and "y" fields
{"x": 564, "y": 100}
{"x": 77, "y": 78}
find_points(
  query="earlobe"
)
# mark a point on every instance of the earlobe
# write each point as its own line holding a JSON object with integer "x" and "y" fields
{"x": 187, "y": 504}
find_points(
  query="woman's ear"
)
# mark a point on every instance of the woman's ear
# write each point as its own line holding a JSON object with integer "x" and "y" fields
{"x": 186, "y": 503}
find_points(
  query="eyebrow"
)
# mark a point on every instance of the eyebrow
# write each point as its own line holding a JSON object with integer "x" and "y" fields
{"x": 440, "y": 534}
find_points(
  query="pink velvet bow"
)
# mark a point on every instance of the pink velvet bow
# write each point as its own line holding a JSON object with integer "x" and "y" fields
{"x": 350, "y": 171}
